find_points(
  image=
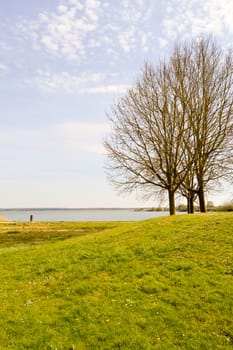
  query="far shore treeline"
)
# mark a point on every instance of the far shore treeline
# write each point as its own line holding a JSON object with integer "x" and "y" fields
{"x": 227, "y": 206}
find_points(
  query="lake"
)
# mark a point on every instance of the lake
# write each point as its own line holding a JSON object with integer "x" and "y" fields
{"x": 53, "y": 215}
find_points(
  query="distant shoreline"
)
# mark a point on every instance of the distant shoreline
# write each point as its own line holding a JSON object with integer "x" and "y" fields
{"x": 95, "y": 208}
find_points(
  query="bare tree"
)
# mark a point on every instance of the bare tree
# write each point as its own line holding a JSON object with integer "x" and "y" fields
{"x": 206, "y": 95}
{"x": 145, "y": 148}
{"x": 174, "y": 129}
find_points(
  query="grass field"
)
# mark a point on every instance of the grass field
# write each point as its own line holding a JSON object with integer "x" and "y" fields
{"x": 162, "y": 284}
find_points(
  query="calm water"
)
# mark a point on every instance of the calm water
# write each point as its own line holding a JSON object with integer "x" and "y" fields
{"x": 44, "y": 215}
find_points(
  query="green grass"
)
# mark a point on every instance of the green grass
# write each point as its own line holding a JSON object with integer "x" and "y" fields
{"x": 162, "y": 284}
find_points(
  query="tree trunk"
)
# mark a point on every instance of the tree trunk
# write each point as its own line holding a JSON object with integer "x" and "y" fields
{"x": 172, "y": 208}
{"x": 201, "y": 197}
{"x": 190, "y": 205}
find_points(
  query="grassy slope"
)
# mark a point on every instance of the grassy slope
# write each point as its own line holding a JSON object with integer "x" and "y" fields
{"x": 158, "y": 284}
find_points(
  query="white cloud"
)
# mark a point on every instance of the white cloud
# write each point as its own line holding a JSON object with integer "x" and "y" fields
{"x": 84, "y": 83}
{"x": 195, "y": 17}
{"x": 76, "y": 28}
{"x": 105, "y": 89}
{"x": 3, "y": 67}
{"x": 162, "y": 42}
{"x": 127, "y": 40}
{"x": 91, "y": 7}
{"x": 82, "y": 129}
{"x": 146, "y": 40}
{"x": 63, "y": 32}
{"x": 4, "y": 46}
{"x": 76, "y": 3}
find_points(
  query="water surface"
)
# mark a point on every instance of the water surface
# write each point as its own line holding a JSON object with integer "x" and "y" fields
{"x": 53, "y": 215}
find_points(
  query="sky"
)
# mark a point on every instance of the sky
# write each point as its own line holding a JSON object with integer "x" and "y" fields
{"x": 63, "y": 63}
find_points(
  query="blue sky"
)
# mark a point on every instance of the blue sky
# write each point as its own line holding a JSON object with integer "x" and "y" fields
{"x": 62, "y": 65}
